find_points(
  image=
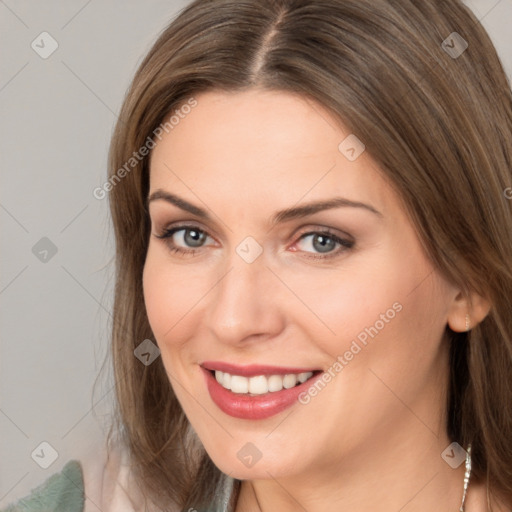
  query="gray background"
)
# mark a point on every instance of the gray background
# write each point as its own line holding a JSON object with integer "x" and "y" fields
{"x": 57, "y": 118}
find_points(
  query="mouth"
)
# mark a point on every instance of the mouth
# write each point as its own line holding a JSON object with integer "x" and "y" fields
{"x": 256, "y": 392}
{"x": 260, "y": 384}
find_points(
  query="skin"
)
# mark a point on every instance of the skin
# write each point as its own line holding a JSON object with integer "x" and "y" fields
{"x": 372, "y": 438}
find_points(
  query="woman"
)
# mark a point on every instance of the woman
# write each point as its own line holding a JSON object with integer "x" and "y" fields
{"x": 311, "y": 203}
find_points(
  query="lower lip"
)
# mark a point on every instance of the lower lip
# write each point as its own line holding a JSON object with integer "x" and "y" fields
{"x": 256, "y": 407}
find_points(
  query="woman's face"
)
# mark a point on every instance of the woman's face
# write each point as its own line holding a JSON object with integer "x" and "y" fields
{"x": 262, "y": 295}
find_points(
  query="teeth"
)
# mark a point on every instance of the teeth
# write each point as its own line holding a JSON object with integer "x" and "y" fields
{"x": 275, "y": 383}
{"x": 289, "y": 381}
{"x": 260, "y": 384}
{"x": 303, "y": 377}
{"x": 239, "y": 384}
{"x": 226, "y": 380}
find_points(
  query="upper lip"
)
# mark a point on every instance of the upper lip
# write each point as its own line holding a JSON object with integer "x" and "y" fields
{"x": 251, "y": 370}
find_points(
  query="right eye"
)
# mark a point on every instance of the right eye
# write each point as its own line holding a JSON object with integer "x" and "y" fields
{"x": 184, "y": 239}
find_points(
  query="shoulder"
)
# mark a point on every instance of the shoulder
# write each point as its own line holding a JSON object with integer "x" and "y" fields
{"x": 61, "y": 492}
{"x": 100, "y": 481}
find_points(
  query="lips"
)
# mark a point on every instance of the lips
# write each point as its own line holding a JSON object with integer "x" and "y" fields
{"x": 255, "y": 406}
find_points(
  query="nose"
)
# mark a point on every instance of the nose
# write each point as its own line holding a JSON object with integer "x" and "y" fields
{"x": 246, "y": 303}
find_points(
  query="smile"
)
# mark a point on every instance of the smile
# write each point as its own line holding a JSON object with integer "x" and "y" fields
{"x": 255, "y": 392}
{"x": 260, "y": 384}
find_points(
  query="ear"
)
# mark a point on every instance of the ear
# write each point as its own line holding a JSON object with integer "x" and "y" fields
{"x": 465, "y": 313}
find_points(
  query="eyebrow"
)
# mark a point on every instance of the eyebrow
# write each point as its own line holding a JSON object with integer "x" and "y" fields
{"x": 281, "y": 216}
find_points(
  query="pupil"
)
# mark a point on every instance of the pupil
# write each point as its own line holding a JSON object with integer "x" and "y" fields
{"x": 326, "y": 243}
{"x": 194, "y": 237}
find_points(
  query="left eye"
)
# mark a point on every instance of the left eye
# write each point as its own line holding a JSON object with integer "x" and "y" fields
{"x": 323, "y": 242}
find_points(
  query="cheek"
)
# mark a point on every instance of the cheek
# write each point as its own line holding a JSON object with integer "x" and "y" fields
{"x": 396, "y": 340}
{"x": 342, "y": 303}
{"x": 388, "y": 302}
{"x": 170, "y": 294}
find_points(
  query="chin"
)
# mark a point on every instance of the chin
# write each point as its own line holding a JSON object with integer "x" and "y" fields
{"x": 244, "y": 465}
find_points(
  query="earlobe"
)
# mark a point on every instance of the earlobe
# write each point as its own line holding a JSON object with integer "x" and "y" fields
{"x": 466, "y": 313}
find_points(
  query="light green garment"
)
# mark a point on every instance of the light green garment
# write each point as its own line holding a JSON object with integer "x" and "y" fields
{"x": 61, "y": 492}
{"x": 64, "y": 492}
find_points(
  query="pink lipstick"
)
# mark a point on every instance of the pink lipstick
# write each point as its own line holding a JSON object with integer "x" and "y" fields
{"x": 286, "y": 383}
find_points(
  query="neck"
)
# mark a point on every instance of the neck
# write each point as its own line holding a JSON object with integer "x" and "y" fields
{"x": 391, "y": 474}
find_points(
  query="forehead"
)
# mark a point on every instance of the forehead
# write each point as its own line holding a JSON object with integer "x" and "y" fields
{"x": 265, "y": 146}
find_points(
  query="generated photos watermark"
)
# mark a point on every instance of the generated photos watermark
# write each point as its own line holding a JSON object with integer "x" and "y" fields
{"x": 143, "y": 151}
{"x": 355, "y": 348}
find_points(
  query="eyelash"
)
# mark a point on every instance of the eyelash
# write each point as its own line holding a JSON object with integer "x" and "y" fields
{"x": 345, "y": 244}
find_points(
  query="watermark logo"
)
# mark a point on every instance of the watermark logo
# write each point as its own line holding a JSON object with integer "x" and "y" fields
{"x": 249, "y": 249}
{"x": 44, "y": 250}
{"x": 454, "y": 455}
{"x": 249, "y": 454}
{"x": 44, "y": 455}
{"x": 44, "y": 45}
{"x": 146, "y": 352}
{"x": 351, "y": 147}
{"x": 454, "y": 45}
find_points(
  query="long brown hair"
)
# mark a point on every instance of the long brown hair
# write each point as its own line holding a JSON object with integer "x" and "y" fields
{"x": 438, "y": 123}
